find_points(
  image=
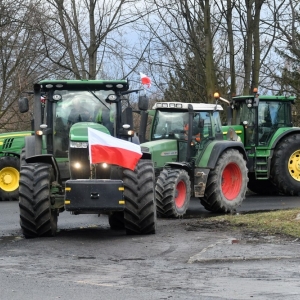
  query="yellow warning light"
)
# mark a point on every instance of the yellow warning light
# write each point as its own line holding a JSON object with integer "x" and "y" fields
{"x": 216, "y": 95}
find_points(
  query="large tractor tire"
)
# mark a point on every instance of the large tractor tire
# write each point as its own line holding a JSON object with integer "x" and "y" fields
{"x": 226, "y": 184}
{"x": 116, "y": 220}
{"x": 22, "y": 157}
{"x": 261, "y": 187}
{"x": 285, "y": 166}
{"x": 174, "y": 194}
{"x": 159, "y": 192}
{"x": 140, "y": 208}
{"x": 9, "y": 177}
{"x": 37, "y": 219}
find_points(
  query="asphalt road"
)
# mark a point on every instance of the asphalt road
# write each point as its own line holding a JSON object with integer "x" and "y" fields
{"x": 87, "y": 260}
{"x": 252, "y": 203}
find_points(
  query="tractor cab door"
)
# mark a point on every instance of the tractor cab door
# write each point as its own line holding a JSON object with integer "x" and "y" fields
{"x": 247, "y": 116}
{"x": 271, "y": 116}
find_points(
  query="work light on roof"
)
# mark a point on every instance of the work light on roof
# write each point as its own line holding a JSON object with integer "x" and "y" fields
{"x": 109, "y": 86}
{"x": 119, "y": 86}
{"x": 172, "y": 105}
{"x": 49, "y": 86}
{"x": 165, "y": 105}
{"x": 249, "y": 102}
{"x": 179, "y": 105}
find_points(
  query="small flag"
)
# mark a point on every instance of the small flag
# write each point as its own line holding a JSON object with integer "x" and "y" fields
{"x": 106, "y": 148}
{"x": 146, "y": 81}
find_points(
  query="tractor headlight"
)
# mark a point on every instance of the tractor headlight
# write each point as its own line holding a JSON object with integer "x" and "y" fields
{"x": 78, "y": 144}
{"x": 77, "y": 165}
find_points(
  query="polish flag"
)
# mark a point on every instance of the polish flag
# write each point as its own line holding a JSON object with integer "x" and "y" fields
{"x": 106, "y": 148}
{"x": 145, "y": 80}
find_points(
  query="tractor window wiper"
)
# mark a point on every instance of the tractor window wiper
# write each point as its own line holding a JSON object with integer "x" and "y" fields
{"x": 98, "y": 99}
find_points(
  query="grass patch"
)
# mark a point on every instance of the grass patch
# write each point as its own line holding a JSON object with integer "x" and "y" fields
{"x": 285, "y": 222}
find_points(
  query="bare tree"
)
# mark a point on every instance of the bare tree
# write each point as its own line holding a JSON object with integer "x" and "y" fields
{"x": 83, "y": 37}
{"x": 20, "y": 63}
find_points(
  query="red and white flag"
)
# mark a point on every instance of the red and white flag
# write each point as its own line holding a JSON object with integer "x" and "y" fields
{"x": 106, "y": 148}
{"x": 146, "y": 81}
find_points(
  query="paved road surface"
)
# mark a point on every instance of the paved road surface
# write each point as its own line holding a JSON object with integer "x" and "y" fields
{"x": 183, "y": 260}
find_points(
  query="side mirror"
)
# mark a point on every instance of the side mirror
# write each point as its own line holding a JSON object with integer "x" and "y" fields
{"x": 127, "y": 117}
{"x": 23, "y": 105}
{"x": 143, "y": 102}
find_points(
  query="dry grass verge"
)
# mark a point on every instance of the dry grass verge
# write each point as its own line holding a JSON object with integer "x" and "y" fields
{"x": 286, "y": 222}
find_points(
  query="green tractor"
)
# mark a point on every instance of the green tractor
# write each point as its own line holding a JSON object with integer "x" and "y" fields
{"x": 56, "y": 172}
{"x": 264, "y": 124}
{"x": 11, "y": 145}
{"x": 191, "y": 159}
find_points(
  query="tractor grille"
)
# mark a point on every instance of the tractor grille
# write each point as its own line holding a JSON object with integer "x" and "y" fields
{"x": 7, "y": 143}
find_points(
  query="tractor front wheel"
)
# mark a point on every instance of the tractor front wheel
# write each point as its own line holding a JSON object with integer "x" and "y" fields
{"x": 9, "y": 178}
{"x": 140, "y": 208}
{"x": 285, "y": 166}
{"x": 36, "y": 216}
{"x": 174, "y": 199}
{"x": 226, "y": 184}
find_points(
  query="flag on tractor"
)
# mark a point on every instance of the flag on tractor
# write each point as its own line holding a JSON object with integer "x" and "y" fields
{"x": 146, "y": 81}
{"x": 104, "y": 148}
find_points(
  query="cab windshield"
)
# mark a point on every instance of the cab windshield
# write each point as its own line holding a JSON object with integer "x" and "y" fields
{"x": 170, "y": 125}
{"x": 84, "y": 106}
{"x": 80, "y": 106}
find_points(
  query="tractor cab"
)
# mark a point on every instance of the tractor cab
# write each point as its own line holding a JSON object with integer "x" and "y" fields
{"x": 261, "y": 117}
{"x": 67, "y": 109}
{"x": 180, "y": 130}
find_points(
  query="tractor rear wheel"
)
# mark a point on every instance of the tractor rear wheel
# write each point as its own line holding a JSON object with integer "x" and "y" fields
{"x": 285, "y": 166}
{"x": 9, "y": 177}
{"x": 140, "y": 208}
{"x": 36, "y": 216}
{"x": 176, "y": 193}
{"x": 226, "y": 184}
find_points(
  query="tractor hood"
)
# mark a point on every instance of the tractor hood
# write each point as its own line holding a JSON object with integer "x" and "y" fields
{"x": 79, "y": 131}
{"x": 162, "y": 151}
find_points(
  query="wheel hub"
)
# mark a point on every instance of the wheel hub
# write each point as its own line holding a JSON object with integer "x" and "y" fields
{"x": 180, "y": 194}
{"x": 9, "y": 179}
{"x": 231, "y": 181}
{"x": 294, "y": 165}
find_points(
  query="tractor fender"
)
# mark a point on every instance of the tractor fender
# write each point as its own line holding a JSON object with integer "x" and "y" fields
{"x": 283, "y": 135}
{"x": 8, "y": 153}
{"x": 48, "y": 159}
{"x": 29, "y": 146}
{"x": 220, "y": 147}
{"x": 180, "y": 165}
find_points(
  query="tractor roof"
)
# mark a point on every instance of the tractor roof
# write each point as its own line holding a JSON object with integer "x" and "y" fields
{"x": 265, "y": 98}
{"x": 184, "y": 106}
{"x": 121, "y": 85}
